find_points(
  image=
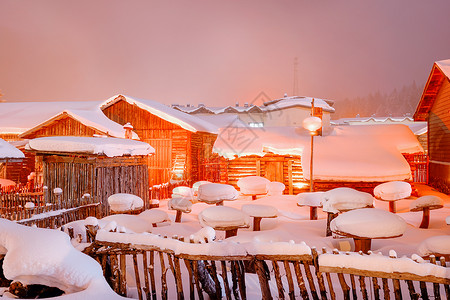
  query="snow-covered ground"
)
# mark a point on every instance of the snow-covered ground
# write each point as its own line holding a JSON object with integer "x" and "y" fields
{"x": 291, "y": 225}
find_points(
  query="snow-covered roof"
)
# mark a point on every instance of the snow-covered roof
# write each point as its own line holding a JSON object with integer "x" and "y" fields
{"x": 273, "y": 105}
{"x": 184, "y": 120}
{"x": 444, "y": 65}
{"x": 297, "y": 101}
{"x": 9, "y": 151}
{"x": 18, "y": 117}
{"x": 90, "y": 145}
{"x": 439, "y": 72}
{"x": 90, "y": 118}
{"x": 348, "y": 153}
{"x": 417, "y": 128}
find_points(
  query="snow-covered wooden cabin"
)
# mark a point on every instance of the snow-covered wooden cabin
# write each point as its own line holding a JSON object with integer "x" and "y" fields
{"x": 82, "y": 123}
{"x": 99, "y": 166}
{"x": 356, "y": 156}
{"x": 180, "y": 140}
{"x": 434, "y": 107}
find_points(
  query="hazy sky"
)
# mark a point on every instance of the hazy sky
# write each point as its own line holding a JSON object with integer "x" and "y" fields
{"x": 216, "y": 52}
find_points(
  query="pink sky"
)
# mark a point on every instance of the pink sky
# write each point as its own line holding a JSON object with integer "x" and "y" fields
{"x": 216, "y": 52}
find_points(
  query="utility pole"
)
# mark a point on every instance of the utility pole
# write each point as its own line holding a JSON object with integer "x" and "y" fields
{"x": 295, "y": 89}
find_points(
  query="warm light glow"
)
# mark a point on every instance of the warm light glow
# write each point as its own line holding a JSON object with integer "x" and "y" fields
{"x": 300, "y": 185}
{"x": 312, "y": 123}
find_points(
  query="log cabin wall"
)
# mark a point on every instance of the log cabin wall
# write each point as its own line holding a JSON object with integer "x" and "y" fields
{"x": 19, "y": 171}
{"x": 177, "y": 151}
{"x": 98, "y": 176}
{"x": 439, "y": 136}
{"x": 201, "y": 150}
{"x": 285, "y": 169}
{"x": 67, "y": 126}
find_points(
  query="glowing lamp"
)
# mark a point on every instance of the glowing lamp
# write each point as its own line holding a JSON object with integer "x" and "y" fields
{"x": 312, "y": 124}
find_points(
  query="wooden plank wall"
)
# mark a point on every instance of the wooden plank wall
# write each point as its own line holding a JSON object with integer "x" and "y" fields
{"x": 201, "y": 150}
{"x": 19, "y": 171}
{"x": 100, "y": 177}
{"x": 150, "y": 128}
{"x": 439, "y": 125}
{"x": 66, "y": 126}
{"x": 255, "y": 165}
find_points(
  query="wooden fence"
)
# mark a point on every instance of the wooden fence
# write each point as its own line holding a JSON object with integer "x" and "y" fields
{"x": 162, "y": 273}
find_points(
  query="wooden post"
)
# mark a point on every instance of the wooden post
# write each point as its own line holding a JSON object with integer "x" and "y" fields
{"x": 178, "y": 216}
{"x": 231, "y": 232}
{"x": 258, "y": 167}
{"x": 313, "y": 213}
{"x": 426, "y": 218}
{"x": 330, "y": 217}
{"x": 291, "y": 184}
{"x": 257, "y": 223}
{"x": 362, "y": 244}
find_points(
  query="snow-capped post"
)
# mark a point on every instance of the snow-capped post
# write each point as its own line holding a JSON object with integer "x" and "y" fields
{"x": 58, "y": 192}
{"x": 312, "y": 124}
{"x": 128, "y": 131}
{"x": 425, "y": 204}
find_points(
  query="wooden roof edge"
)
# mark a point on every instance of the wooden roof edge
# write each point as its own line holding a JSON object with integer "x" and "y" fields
{"x": 419, "y": 115}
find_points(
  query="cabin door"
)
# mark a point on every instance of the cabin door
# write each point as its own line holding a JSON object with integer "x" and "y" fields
{"x": 160, "y": 163}
{"x": 273, "y": 170}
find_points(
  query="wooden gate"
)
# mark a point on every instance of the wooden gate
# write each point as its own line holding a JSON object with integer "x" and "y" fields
{"x": 419, "y": 166}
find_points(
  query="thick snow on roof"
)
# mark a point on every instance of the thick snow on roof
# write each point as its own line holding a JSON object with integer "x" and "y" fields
{"x": 417, "y": 128}
{"x": 349, "y": 153}
{"x": 92, "y": 118}
{"x": 9, "y": 151}
{"x": 223, "y": 120}
{"x": 444, "y": 65}
{"x": 91, "y": 145}
{"x": 296, "y": 101}
{"x": 184, "y": 120}
{"x": 18, "y": 117}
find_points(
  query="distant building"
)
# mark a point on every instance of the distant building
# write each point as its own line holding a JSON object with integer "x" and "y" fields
{"x": 286, "y": 111}
{"x": 434, "y": 108}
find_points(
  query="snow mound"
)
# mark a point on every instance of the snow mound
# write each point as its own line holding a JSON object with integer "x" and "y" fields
{"x": 343, "y": 199}
{"x": 251, "y": 185}
{"x": 130, "y": 223}
{"x": 381, "y": 263}
{"x": 275, "y": 248}
{"x": 183, "y": 204}
{"x": 313, "y": 199}
{"x": 435, "y": 245}
{"x": 393, "y": 190}
{"x": 196, "y": 185}
{"x": 259, "y": 210}
{"x": 182, "y": 191}
{"x": 154, "y": 216}
{"x": 46, "y": 256}
{"x": 216, "y": 192}
{"x": 275, "y": 188}
{"x": 222, "y": 216}
{"x": 369, "y": 223}
{"x": 124, "y": 202}
{"x": 205, "y": 234}
{"x": 110, "y": 147}
{"x": 430, "y": 201}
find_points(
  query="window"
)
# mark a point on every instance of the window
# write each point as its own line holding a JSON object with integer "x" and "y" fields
{"x": 256, "y": 124}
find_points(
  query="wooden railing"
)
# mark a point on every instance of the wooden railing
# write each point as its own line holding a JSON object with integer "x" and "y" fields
{"x": 30, "y": 206}
{"x": 166, "y": 272}
{"x": 419, "y": 166}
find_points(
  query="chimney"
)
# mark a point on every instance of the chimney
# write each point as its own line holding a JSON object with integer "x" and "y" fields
{"x": 128, "y": 131}
{"x": 237, "y": 104}
{"x": 285, "y": 95}
{"x": 246, "y": 104}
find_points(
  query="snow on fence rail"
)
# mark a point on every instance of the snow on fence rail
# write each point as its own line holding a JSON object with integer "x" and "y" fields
{"x": 150, "y": 267}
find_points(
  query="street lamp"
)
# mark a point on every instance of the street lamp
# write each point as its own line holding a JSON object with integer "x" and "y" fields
{"x": 312, "y": 124}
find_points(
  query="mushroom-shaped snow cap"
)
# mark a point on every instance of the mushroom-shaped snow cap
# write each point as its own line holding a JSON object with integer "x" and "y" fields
{"x": 392, "y": 190}
{"x": 425, "y": 204}
{"x": 313, "y": 199}
{"x": 275, "y": 188}
{"x": 428, "y": 201}
{"x": 435, "y": 245}
{"x": 345, "y": 199}
{"x": 123, "y": 202}
{"x": 251, "y": 185}
{"x": 216, "y": 192}
{"x": 369, "y": 223}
